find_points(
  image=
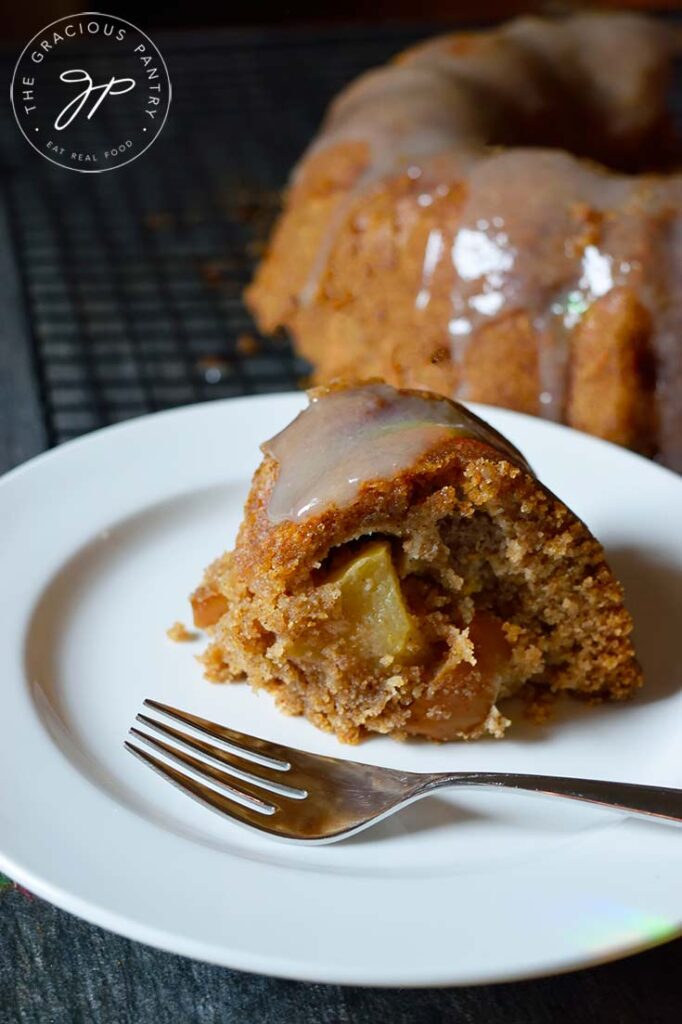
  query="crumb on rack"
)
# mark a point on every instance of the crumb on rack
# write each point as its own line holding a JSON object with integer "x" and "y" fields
{"x": 157, "y": 221}
{"x": 213, "y": 368}
{"x": 216, "y": 272}
{"x": 256, "y": 248}
{"x": 247, "y": 345}
{"x": 179, "y": 633}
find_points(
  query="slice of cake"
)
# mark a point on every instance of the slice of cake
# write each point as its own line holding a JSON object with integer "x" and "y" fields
{"x": 400, "y": 569}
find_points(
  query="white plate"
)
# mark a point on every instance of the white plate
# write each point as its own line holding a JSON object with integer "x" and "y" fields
{"x": 103, "y": 539}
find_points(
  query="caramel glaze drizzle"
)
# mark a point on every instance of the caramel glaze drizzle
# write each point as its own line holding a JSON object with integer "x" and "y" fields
{"x": 540, "y": 230}
{"x": 349, "y": 436}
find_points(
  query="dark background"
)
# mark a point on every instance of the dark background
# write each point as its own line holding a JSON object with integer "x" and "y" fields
{"x": 20, "y": 20}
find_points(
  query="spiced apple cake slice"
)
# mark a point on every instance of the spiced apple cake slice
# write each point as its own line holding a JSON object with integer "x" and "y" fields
{"x": 401, "y": 570}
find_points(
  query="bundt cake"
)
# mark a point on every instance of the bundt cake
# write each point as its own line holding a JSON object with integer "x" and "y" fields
{"x": 399, "y": 569}
{"x": 451, "y": 229}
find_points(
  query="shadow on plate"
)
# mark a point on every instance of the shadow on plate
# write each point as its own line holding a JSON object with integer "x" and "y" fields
{"x": 432, "y": 814}
{"x": 653, "y": 594}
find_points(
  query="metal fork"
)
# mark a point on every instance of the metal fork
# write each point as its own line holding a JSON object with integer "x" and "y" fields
{"x": 305, "y": 797}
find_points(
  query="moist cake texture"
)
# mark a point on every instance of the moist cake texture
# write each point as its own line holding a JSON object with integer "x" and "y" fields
{"x": 400, "y": 570}
{"x": 455, "y": 226}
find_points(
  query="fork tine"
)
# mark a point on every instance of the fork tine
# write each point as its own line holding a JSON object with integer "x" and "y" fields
{"x": 236, "y": 786}
{"x": 276, "y": 755}
{"x": 240, "y": 766}
{"x": 210, "y": 798}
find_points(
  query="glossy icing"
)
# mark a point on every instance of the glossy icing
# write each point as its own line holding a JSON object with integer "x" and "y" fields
{"x": 348, "y": 437}
{"x": 538, "y": 230}
{"x": 535, "y": 233}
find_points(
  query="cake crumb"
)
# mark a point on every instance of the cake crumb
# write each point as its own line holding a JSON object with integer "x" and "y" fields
{"x": 158, "y": 221}
{"x": 179, "y": 633}
{"x": 247, "y": 345}
{"x": 539, "y": 704}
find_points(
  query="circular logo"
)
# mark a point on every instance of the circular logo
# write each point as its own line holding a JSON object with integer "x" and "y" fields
{"x": 91, "y": 92}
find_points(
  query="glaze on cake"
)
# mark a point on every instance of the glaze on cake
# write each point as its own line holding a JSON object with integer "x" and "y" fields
{"x": 348, "y": 436}
{"x": 435, "y": 235}
{"x": 400, "y": 570}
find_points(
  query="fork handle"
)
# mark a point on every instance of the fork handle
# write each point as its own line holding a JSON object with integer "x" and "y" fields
{"x": 652, "y": 801}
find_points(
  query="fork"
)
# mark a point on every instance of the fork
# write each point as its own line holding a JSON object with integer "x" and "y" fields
{"x": 295, "y": 795}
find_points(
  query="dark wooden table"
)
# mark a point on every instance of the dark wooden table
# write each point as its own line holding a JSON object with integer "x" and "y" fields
{"x": 55, "y": 969}
{"x": 81, "y": 347}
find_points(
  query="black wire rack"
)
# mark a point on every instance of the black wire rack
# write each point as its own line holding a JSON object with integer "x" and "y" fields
{"x": 132, "y": 280}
